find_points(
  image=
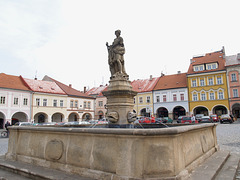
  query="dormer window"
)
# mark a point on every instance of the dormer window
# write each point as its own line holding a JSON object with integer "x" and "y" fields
{"x": 199, "y": 68}
{"x": 211, "y": 66}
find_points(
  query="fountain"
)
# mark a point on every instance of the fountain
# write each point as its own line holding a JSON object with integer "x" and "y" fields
{"x": 116, "y": 153}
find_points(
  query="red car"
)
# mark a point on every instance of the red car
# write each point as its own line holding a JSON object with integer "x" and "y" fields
{"x": 214, "y": 118}
{"x": 186, "y": 119}
{"x": 144, "y": 120}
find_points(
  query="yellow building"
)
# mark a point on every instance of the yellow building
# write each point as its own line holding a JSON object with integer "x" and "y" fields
{"x": 207, "y": 84}
{"x": 143, "y": 101}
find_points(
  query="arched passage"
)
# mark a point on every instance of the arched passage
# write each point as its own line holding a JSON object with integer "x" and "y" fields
{"x": 2, "y": 118}
{"x": 73, "y": 117}
{"x": 178, "y": 111}
{"x": 162, "y": 112}
{"x": 57, "y": 117}
{"x": 144, "y": 113}
{"x": 40, "y": 117}
{"x": 236, "y": 110}
{"x": 19, "y": 117}
{"x": 219, "y": 110}
{"x": 100, "y": 114}
{"x": 200, "y": 110}
{"x": 86, "y": 117}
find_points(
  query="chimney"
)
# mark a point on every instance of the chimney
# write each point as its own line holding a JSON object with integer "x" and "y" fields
{"x": 162, "y": 74}
{"x": 151, "y": 78}
{"x": 85, "y": 89}
{"x": 35, "y": 78}
{"x": 179, "y": 72}
{"x": 70, "y": 85}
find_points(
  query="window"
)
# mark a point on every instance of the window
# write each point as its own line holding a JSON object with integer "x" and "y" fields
{"x": 214, "y": 66}
{"x": 76, "y": 104}
{"x": 233, "y": 76}
{"x": 15, "y": 101}
{"x": 210, "y": 81}
{"x": 140, "y": 100}
{"x": 219, "y": 80}
{"x": 174, "y": 97}
{"x": 71, "y": 104}
{"x": 220, "y": 95}
{"x": 85, "y": 104}
{"x": 148, "y": 99}
{"x": 202, "y": 83}
{"x": 164, "y": 98}
{"x": 203, "y": 96}
{"x": 158, "y": 98}
{"x": 196, "y": 68}
{"x": 61, "y": 103}
{"x": 100, "y": 103}
{"x": 89, "y": 105}
{"x": 201, "y": 68}
{"x": 182, "y": 97}
{"x": 211, "y": 96}
{"x": 195, "y": 98}
{"x": 37, "y": 102}
{"x": 25, "y": 101}
{"x": 55, "y": 103}
{"x": 2, "y": 101}
{"x": 44, "y": 102}
{"x": 235, "y": 93}
{"x": 194, "y": 83}
{"x": 209, "y": 67}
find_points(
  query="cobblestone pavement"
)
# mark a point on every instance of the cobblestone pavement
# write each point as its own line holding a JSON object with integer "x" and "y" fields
{"x": 228, "y": 137}
{"x": 3, "y": 145}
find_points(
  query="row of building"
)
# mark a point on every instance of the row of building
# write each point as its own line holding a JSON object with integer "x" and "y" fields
{"x": 211, "y": 86}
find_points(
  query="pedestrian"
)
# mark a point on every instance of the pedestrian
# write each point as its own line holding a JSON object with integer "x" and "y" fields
{"x": 6, "y": 126}
{"x": 193, "y": 118}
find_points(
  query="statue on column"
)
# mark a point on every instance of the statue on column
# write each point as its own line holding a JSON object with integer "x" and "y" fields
{"x": 115, "y": 56}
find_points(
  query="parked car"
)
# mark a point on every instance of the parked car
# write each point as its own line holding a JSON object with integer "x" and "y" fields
{"x": 205, "y": 119}
{"x": 225, "y": 118}
{"x": 179, "y": 119}
{"x": 167, "y": 120}
{"x": 144, "y": 120}
{"x": 199, "y": 116}
{"x": 186, "y": 119}
{"x": 84, "y": 122}
{"x": 23, "y": 124}
{"x": 214, "y": 118}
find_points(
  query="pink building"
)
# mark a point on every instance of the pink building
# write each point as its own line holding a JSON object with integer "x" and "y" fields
{"x": 233, "y": 76}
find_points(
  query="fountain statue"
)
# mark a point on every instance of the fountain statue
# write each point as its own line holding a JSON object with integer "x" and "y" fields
{"x": 120, "y": 96}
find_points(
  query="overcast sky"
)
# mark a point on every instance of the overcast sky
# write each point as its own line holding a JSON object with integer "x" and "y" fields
{"x": 65, "y": 39}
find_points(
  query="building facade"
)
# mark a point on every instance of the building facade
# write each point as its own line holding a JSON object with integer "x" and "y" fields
{"x": 170, "y": 96}
{"x": 79, "y": 105}
{"x": 233, "y": 81}
{"x": 143, "y": 101}
{"x": 15, "y": 100}
{"x": 207, "y": 84}
{"x": 100, "y": 102}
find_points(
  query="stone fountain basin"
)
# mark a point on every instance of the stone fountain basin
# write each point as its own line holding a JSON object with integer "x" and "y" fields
{"x": 115, "y": 153}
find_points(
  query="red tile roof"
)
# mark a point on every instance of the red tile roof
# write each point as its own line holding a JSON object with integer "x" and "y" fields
{"x": 44, "y": 86}
{"x": 12, "y": 82}
{"x": 67, "y": 89}
{"x": 144, "y": 85}
{"x": 217, "y": 56}
{"x": 172, "y": 81}
{"x": 97, "y": 90}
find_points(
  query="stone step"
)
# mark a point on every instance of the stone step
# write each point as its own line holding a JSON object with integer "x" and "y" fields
{"x": 210, "y": 168}
{"x": 34, "y": 172}
{"x": 229, "y": 169}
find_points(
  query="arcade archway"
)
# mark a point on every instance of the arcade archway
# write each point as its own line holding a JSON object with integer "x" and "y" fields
{"x": 178, "y": 111}
{"x": 200, "y": 110}
{"x": 19, "y": 117}
{"x": 219, "y": 110}
{"x": 40, "y": 117}
{"x": 57, "y": 117}
{"x": 73, "y": 117}
{"x": 162, "y": 112}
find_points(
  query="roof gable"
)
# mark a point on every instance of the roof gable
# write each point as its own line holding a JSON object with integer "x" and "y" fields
{"x": 144, "y": 85}
{"x": 172, "y": 81}
{"x": 67, "y": 89}
{"x": 214, "y": 57}
{"x": 12, "y": 82}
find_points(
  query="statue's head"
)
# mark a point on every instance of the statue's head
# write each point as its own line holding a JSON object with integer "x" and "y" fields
{"x": 118, "y": 32}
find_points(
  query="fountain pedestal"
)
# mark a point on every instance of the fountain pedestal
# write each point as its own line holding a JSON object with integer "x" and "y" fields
{"x": 120, "y": 101}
